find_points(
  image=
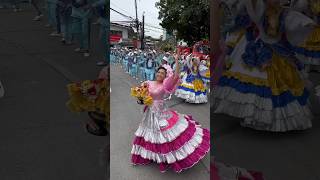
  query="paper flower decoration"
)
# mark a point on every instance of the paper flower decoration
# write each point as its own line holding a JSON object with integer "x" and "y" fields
{"x": 142, "y": 94}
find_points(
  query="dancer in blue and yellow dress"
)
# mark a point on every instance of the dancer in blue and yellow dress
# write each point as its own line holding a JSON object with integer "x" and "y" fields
{"x": 192, "y": 89}
{"x": 307, "y": 51}
{"x": 263, "y": 84}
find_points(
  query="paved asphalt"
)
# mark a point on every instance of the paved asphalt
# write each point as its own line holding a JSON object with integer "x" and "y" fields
{"x": 40, "y": 139}
{"x": 280, "y": 156}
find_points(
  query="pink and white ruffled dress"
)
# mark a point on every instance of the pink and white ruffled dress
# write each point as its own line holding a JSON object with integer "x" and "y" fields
{"x": 166, "y": 137}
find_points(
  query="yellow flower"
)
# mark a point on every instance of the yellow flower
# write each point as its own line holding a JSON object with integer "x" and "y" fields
{"x": 207, "y": 74}
{"x": 134, "y": 92}
{"x": 148, "y": 100}
{"x": 198, "y": 85}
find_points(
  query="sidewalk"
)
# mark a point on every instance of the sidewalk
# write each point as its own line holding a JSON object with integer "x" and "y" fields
{"x": 40, "y": 138}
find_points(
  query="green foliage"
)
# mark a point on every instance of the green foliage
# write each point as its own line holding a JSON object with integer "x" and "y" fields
{"x": 190, "y": 18}
{"x": 166, "y": 46}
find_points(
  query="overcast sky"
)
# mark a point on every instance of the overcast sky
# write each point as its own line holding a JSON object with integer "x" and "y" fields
{"x": 148, "y": 6}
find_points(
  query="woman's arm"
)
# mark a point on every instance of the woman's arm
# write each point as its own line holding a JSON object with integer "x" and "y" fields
{"x": 177, "y": 68}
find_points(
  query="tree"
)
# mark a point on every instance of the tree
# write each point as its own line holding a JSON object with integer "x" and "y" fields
{"x": 190, "y": 18}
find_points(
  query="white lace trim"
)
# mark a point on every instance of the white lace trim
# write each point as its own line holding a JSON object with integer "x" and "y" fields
{"x": 230, "y": 94}
{"x": 173, "y": 156}
{"x": 308, "y": 60}
{"x": 160, "y": 137}
{"x": 191, "y": 97}
{"x": 291, "y": 117}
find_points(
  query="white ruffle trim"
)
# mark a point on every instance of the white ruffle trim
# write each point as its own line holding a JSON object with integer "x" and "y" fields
{"x": 191, "y": 97}
{"x": 160, "y": 137}
{"x": 230, "y": 94}
{"x": 260, "y": 117}
{"x": 173, "y": 156}
{"x": 308, "y": 60}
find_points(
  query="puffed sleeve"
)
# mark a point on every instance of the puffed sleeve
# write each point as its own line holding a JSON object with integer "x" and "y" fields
{"x": 255, "y": 12}
{"x": 298, "y": 26}
{"x": 171, "y": 83}
{"x": 303, "y": 36}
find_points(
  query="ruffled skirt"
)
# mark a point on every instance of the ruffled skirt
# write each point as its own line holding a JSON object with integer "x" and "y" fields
{"x": 271, "y": 100}
{"x": 175, "y": 142}
{"x": 192, "y": 89}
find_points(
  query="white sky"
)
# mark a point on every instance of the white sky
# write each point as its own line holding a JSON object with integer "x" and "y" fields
{"x": 148, "y": 6}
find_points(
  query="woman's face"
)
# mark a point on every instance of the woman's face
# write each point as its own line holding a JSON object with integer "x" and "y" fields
{"x": 161, "y": 74}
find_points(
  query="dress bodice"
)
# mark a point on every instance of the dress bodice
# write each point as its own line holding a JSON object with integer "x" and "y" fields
{"x": 158, "y": 90}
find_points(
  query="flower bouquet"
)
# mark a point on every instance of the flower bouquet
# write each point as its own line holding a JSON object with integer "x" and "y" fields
{"x": 142, "y": 94}
{"x": 91, "y": 96}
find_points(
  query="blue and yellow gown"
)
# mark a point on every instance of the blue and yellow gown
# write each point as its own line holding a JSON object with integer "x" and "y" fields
{"x": 193, "y": 87}
{"x": 263, "y": 84}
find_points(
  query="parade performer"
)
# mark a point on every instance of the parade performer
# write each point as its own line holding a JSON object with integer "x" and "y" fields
{"x": 307, "y": 51}
{"x": 101, "y": 7}
{"x": 150, "y": 68}
{"x": 134, "y": 65}
{"x": 192, "y": 89}
{"x": 81, "y": 25}
{"x": 126, "y": 62}
{"x": 142, "y": 66}
{"x": 64, "y": 8}
{"x": 92, "y": 96}
{"x": 218, "y": 170}
{"x": 164, "y": 136}
{"x": 51, "y": 10}
{"x": 130, "y": 62}
{"x": 263, "y": 84}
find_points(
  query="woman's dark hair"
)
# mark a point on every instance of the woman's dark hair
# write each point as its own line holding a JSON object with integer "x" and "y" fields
{"x": 162, "y": 68}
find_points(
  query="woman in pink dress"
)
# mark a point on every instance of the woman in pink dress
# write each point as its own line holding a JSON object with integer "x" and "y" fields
{"x": 164, "y": 136}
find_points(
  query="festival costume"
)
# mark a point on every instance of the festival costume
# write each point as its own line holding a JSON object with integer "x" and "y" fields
{"x": 263, "y": 85}
{"x": 150, "y": 69}
{"x": 51, "y": 9}
{"x": 166, "y": 137}
{"x": 91, "y": 96}
{"x": 81, "y": 23}
{"x": 193, "y": 88}
{"x": 141, "y": 65}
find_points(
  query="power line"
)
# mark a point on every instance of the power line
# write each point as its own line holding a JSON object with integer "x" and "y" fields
{"x": 122, "y": 14}
{"x": 121, "y": 9}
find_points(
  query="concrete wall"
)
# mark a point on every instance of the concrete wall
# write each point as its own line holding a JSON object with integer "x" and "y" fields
{"x": 122, "y": 29}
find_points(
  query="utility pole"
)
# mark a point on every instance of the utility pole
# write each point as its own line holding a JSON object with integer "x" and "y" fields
{"x": 137, "y": 21}
{"x": 142, "y": 33}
